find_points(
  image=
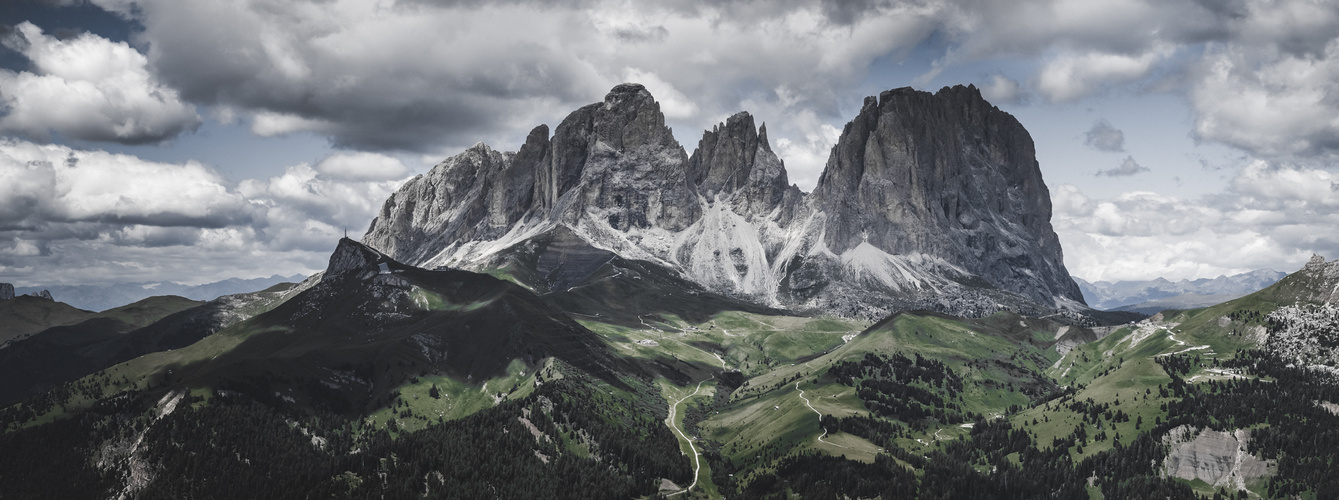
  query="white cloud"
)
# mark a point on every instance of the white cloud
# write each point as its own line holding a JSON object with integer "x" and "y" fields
{"x": 75, "y": 216}
{"x": 439, "y": 76}
{"x": 673, "y": 103}
{"x": 306, "y": 210}
{"x": 359, "y": 166}
{"x": 267, "y": 124}
{"x": 1002, "y": 90}
{"x": 1268, "y": 102}
{"x": 806, "y": 155}
{"x": 56, "y": 183}
{"x": 1071, "y": 76}
{"x": 87, "y": 88}
{"x": 1296, "y": 187}
{"x": 1271, "y": 217}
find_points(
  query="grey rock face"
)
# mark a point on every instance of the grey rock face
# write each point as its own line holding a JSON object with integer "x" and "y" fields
{"x": 735, "y": 160}
{"x": 928, "y": 201}
{"x": 947, "y": 175}
{"x": 632, "y": 171}
{"x": 1216, "y": 457}
{"x": 6, "y": 291}
{"x": 352, "y": 258}
{"x": 450, "y": 203}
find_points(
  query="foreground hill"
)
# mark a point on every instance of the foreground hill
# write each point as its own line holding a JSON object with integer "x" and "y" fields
{"x": 382, "y": 378}
{"x": 374, "y": 359}
{"x": 23, "y": 315}
{"x": 33, "y": 365}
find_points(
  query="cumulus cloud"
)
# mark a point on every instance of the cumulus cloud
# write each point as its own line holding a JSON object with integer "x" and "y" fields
{"x": 1105, "y": 137}
{"x": 359, "y": 166}
{"x": 88, "y": 88}
{"x": 1072, "y": 76}
{"x": 1271, "y": 216}
{"x": 1127, "y": 168}
{"x": 53, "y": 183}
{"x": 1269, "y": 102}
{"x": 71, "y": 216}
{"x": 434, "y": 77}
{"x": 306, "y": 210}
{"x": 673, "y": 103}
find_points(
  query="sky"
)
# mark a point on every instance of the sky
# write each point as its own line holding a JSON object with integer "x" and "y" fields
{"x": 198, "y": 140}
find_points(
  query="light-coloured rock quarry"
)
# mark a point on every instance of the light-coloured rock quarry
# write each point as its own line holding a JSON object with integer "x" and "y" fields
{"x": 1219, "y": 458}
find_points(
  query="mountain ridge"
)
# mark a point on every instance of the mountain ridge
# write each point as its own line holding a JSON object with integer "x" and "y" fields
{"x": 104, "y": 297}
{"x": 727, "y": 218}
{"x": 1133, "y": 294}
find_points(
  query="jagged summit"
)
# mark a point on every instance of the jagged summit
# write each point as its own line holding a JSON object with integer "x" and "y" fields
{"x": 930, "y": 201}
{"x": 351, "y": 256}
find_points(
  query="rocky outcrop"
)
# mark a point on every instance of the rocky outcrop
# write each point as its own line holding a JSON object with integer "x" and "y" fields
{"x": 1219, "y": 458}
{"x": 947, "y": 175}
{"x": 42, "y": 294}
{"x": 930, "y": 201}
{"x": 735, "y": 161}
{"x": 6, "y": 291}
{"x": 1316, "y": 282}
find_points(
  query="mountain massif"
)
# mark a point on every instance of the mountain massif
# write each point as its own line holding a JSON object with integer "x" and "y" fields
{"x": 929, "y": 201}
{"x": 602, "y": 315}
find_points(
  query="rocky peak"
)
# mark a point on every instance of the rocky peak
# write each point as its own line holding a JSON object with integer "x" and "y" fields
{"x": 6, "y": 291}
{"x": 948, "y": 175}
{"x": 352, "y": 257}
{"x": 630, "y": 118}
{"x": 724, "y": 156}
{"x": 1321, "y": 271}
{"x": 734, "y": 159}
{"x": 1316, "y": 282}
{"x": 618, "y": 158}
{"x": 1316, "y": 263}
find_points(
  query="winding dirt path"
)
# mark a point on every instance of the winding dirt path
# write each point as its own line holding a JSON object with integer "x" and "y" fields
{"x": 820, "y": 418}
{"x": 1172, "y": 335}
{"x": 697, "y": 457}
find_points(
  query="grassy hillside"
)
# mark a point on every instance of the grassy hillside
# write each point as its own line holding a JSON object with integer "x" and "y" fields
{"x": 24, "y": 316}
{"x": 386, "y": 379}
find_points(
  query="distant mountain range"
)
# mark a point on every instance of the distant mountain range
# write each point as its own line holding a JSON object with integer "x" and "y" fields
{"x": 103, "y": 297}
{"x": 1152, "y": 296}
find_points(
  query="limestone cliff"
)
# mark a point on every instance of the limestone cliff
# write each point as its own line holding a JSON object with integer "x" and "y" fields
{"x": 928, "y": 201}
